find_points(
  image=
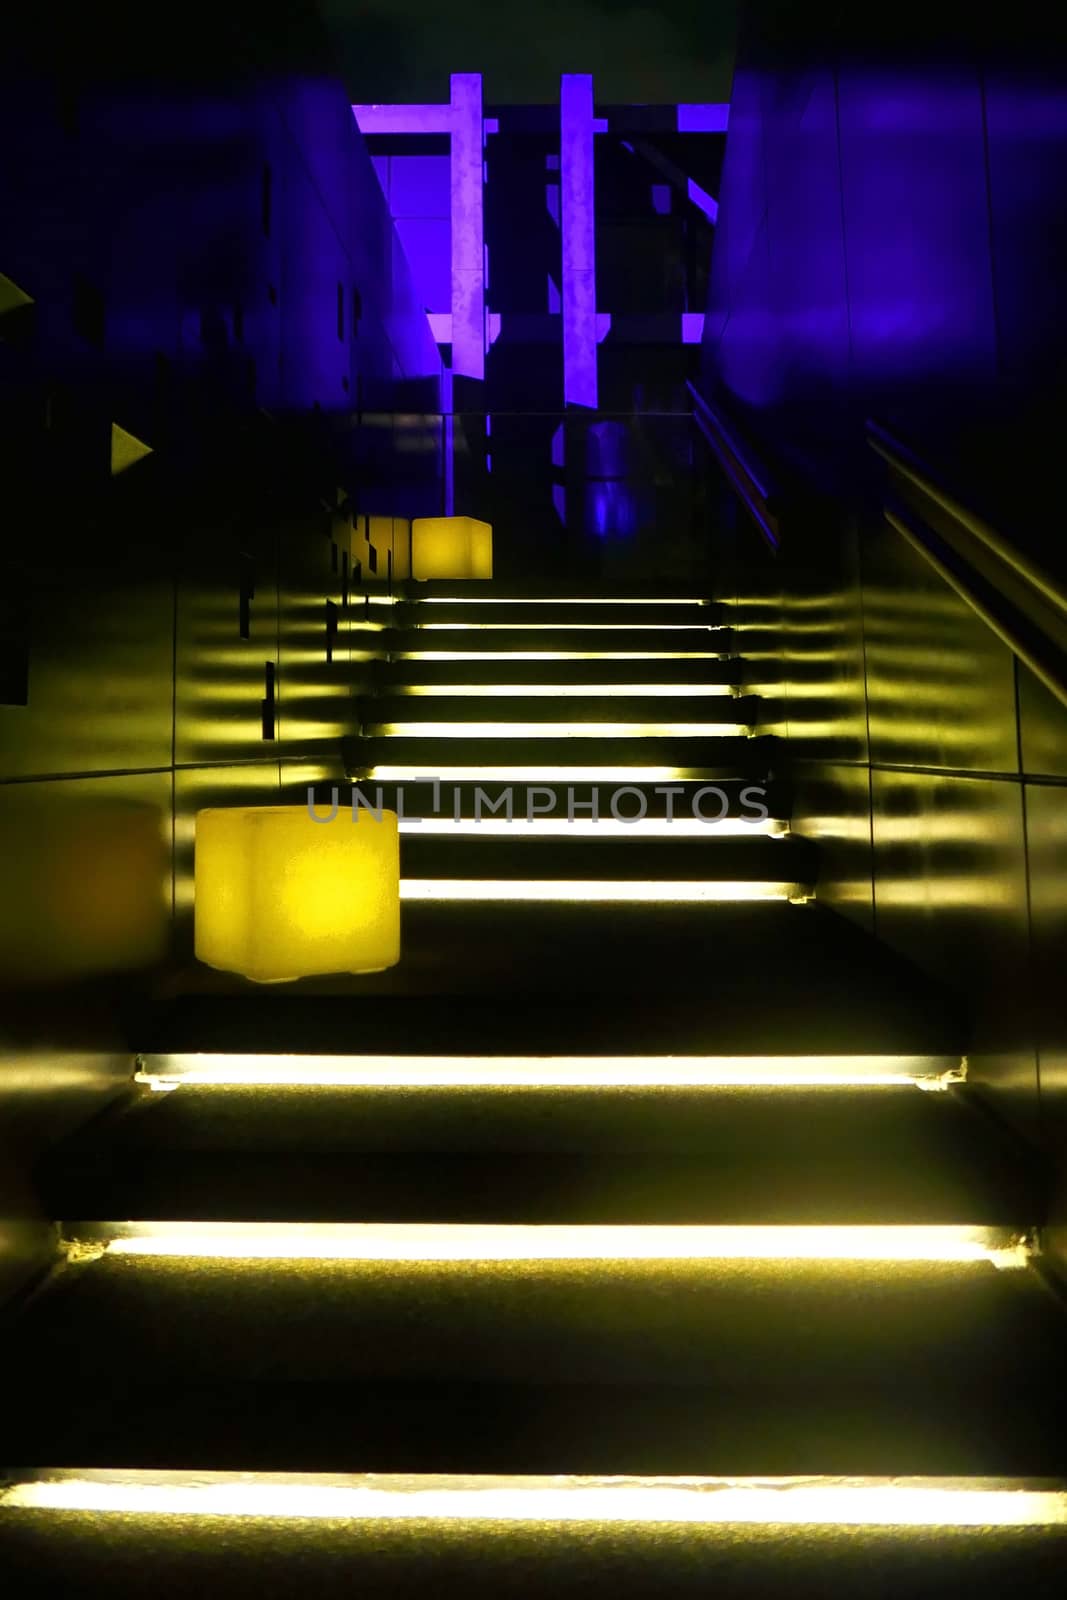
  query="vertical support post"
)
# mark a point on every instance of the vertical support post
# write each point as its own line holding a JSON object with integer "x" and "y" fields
{"x": 468, "y": 234}
{"x": 578, "y": 229}
{"x": 448, "y": 443}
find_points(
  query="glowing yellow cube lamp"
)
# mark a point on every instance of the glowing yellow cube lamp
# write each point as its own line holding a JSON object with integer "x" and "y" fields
{"x": 280, "y": 895}
{"x": 451, "y": 547}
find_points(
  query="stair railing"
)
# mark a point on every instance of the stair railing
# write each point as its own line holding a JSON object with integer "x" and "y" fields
{"x": 1025, "y": 606}
{"x": 748, "y": 477}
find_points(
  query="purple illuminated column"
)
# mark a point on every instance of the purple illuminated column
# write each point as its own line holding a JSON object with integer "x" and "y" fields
{"x": 468, "y": 246}
{"x": 578, "y": 229}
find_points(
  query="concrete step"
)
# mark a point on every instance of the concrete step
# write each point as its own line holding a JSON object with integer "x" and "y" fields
{"x": 869, "y": 1155}
{"x": 732, "y": 1367}
{"x": 576, "y": 641}
{"x": 708, "y": 673}
{"x": 620, "y": 858}
{"x": 652, "y": 759}
{"x": 685, "y": 715}
{"x": 604, "y": 1548}
{"x": 565, "y": 611}
{"x": 581, "y": 978}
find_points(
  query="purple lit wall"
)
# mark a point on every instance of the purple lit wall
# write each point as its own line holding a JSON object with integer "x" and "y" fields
{"x": 891, "y": 243}
{"x": 468, "y": 241}
{"x": 578, "y": 229}
{"x": 418, "y": 189}
{"x": 411, "y": 183}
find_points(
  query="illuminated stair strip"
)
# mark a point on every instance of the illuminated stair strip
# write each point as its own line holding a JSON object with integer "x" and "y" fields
{"x": 554, "y": 691}
{"x": 173, "y": 1071}
{"x": 553, "y": 730}
{"x": 415, "y": 1242}
{"x": 603, "y": 828}
{"x": 552, "y": 626}
{"x": 660, "y": 892}
{"x": 805, "y": 1502}
{"x": 390, "y": 772}
{"x": 558, "y": 655}
{"x": 570, "y": 600}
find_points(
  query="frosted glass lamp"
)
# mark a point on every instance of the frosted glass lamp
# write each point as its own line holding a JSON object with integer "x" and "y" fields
{"x": 280, "y": 895}
{"x": 451, "y": 547}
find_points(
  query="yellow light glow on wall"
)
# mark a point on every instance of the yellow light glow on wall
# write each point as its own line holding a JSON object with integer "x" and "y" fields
{"x": 167, "y": 1072}
{"x": 809, "y": 1502}
{"x": 515, "y": 1242}
{"x": 382, "y": 547}
{"x": 280, "y": 896}
{"x": 592, "y": 891}
{"x": 451, "y": 547}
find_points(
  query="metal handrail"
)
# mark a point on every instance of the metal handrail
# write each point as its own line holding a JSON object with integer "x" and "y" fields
{"x": 904, "y": 461}
{"x": 1030, "y": 617}
{"x": 749, "y": 480}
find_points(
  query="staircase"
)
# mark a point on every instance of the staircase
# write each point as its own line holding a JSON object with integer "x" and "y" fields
{"x": 636, "y": 1230}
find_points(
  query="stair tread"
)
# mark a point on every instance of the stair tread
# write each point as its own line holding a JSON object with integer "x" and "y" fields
{"x": 728, "y": 1368}
{"x": 629, "y": 858}
{"x": 711, "y": 638}
{"x": 591, "y": 709}
{"x": 122, "y": 1558}
{"x": 712, "y": 671}
{"x": 568, "y": 610}
{"x": 737, "y": 978}
{"x": 728, "y": 755}
{"x": 867, "y": 1155}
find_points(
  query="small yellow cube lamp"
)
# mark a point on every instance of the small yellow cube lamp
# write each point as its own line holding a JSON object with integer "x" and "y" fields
{"x": 281, "y": 895}
{"x": 451, "y": 547}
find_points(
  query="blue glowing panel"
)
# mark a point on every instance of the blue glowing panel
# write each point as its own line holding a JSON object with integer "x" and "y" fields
{"x": 917, "y": 225}
{"x": 578, "y": 227}
{"x": 704, "y": 119}
{"x": 661, "y": 199}
{"x": 809, "y": 284}
{"x": 1026, "y": 122}
{"x": 420, "y": 186}
{"x": 404, "y": 119}
{"x": 426, "y": 245}
{"x": 612, "y": 509}
{"x": 607, "y": 450}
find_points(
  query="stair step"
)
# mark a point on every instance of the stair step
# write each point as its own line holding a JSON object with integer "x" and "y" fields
{"x": 618, "y": 1156}
{"x": 684, "y": 1367}
{"x": 659, "y": 862}
{"x": 244, "y": 1556}
{"x": 652, "y": 759}
{"x": 576, "y": 642}
{"x": 571, "y": 591}
{"x": 437, "y": 716}
{"x": 706, "y": 673}
{"x": 582, "y": 978}
{"x": 565, "y": 611}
